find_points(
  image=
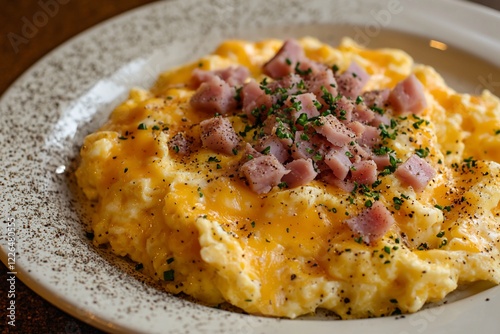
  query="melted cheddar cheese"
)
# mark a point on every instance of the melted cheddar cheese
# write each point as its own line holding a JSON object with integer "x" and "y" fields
{"x": 194, "y": 224}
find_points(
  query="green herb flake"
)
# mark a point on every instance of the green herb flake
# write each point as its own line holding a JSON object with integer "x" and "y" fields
{"x": 302, "y": 119}
{"x": 266, "y": 151}
{"x": 169, "y": 275}
{"x": 282, "y": 185}
{"x": 142, "y": 126}
{"x": 213, "y": 159}
{"x": 170, "y": 260}
{"x": 422, "y": 152}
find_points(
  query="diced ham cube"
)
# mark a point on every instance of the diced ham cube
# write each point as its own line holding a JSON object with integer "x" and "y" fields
{"x": 288, "y": 85}
{"x": 302, "y": 104}
{"x": 364, "y": 172}
{"x": 323, "y": 80}
{"x": 345, "y": 185}
{"x": 263, "y": 173}
{"x": 415, "y": 172}
{"x": 380, "y": 119}
{"x": 338, "y": 162}
{"x": 302, "y": 149}
{"x": 373, "y": 223}
{"x": 181, "y": 143}
{"x": 362, "y": 113}
{"x": 370, "y": 136}
{"x": 254, "y": 97}
{"x": 334, "y": 131}
{"x": 214, "y": 96}
{"x": 308, "y": 67}
{"x": 233, "y": 75}
{"x": 344, "y": 109}
{"x": 408, "y": 96}
{"x": 352, "y": 81}
{"x": 382, "y": 161}
{"x": 285, "y": 60}
{"x": 275, "y": 146}
{"x": 301, "y": 173}
{"x": 218, "y": 134}
{"x": 376, "y": 98}
{"x": 359, "y": 152}
{"x": 357, "y": 128}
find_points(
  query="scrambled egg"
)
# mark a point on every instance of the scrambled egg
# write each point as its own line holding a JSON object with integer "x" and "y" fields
{"x": 193, "y": 224}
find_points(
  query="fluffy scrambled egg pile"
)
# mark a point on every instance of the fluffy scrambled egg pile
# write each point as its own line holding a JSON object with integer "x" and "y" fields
{"x": 193, "y": 223}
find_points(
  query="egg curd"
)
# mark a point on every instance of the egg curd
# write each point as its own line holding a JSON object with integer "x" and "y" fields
{"x": 192, "y": 222}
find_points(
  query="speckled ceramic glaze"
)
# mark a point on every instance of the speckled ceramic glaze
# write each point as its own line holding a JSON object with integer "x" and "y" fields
{"x": 68, "y": 94}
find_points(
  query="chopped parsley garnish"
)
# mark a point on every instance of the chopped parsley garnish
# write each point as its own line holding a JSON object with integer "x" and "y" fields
{"x": 378, "y": 110}
{"x": 384, "y": 134}
{"x": 213, "y": 159}
{"x": 397, "y": 202}
{"x": 142, "y": 126}
{"x": 470, "y": 162}
{"x": 169, "y": 275}
{"x": 282, "y": 185}
{"x": 302, "y": 119}
{"x": 419, "y": 122}
{"x": 266, "y": 151}
{"x": 422, "y": 152}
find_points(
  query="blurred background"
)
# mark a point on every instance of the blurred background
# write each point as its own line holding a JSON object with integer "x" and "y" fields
{"x": 18, "y": 51}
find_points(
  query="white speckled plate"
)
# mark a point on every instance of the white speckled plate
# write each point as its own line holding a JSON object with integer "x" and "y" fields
{"x": 48, "y": 111}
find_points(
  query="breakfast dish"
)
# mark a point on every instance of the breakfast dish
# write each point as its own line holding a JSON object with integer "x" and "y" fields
{"x": 287, "y": 176}
{"x": 71, "y": 92}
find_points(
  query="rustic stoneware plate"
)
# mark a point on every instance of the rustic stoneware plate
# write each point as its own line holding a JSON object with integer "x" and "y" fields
{"x": 70, "y": 92}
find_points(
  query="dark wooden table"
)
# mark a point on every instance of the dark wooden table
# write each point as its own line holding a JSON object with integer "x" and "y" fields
{"x": 21, "y": 48}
